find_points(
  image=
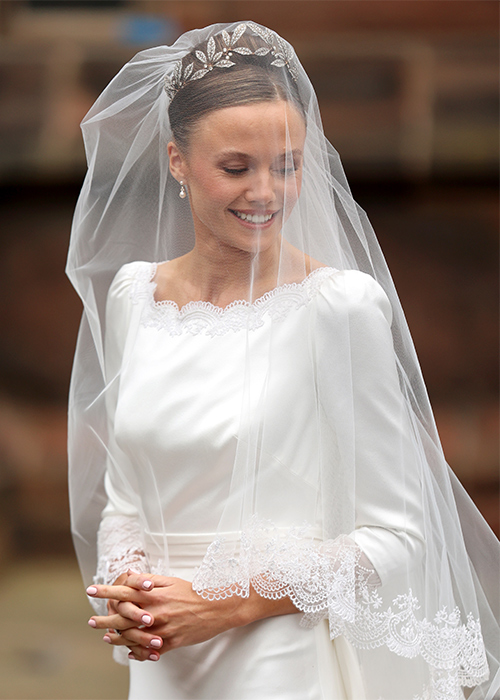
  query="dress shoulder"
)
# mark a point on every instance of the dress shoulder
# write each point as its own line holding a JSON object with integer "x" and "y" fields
{"x": 355, "y": 293}
{"x": 125, "y": 287}
{"x": 128, "y": 277}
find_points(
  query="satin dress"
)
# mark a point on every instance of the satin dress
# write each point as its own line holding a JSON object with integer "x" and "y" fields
{"x": 175, "y": 380}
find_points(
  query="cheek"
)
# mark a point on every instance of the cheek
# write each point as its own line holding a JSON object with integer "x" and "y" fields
{"x": 209, "y": 202}
{"x": 210, "y": 191}
{"x": 292, "y": 190}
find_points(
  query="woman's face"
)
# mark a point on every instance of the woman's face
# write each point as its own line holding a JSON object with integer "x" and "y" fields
{"x": 243, "y": 173}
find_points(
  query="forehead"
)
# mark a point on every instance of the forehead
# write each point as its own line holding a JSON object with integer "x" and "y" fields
{"x": 269, "y": 125}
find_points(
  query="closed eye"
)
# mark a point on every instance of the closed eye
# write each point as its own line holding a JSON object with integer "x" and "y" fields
{"x": 235, "y": 171}
{"x": 289, "y": 169}
{"x": 289, "y": 164}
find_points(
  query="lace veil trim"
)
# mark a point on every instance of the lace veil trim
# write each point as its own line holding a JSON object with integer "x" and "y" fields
{"x": 335, "y": 580}
{"x": 332, "y": 579}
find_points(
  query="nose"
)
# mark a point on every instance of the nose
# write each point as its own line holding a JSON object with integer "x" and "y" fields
{"x": 261, "y": 187}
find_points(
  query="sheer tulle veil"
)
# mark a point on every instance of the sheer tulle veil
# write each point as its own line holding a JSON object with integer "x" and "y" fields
{"x": 376, "y": 486}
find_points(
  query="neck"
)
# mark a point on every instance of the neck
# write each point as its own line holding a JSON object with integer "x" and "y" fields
{"x": 221, "y": 274}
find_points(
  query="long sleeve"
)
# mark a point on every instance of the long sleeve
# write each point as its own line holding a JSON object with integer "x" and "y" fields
{"x": 368, "y": 480}
{"x": 361, "y": 395}
{"x": 120, "y": 541}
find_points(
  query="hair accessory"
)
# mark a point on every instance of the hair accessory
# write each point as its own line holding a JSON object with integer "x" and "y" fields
{"x": 182, "y": 193}
{"x": 277, "y": 48}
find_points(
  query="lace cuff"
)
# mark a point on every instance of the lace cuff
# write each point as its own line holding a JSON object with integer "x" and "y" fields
{"x": 322, "y": 579}
{"x": 335, "y": 580}
{"x": 119, "y": 548}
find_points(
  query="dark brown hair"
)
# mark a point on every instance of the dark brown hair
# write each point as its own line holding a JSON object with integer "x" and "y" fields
{"x": 251, "y": 79}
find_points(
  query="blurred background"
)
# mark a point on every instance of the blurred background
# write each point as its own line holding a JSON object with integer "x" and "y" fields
{"x": 409, "y": 96}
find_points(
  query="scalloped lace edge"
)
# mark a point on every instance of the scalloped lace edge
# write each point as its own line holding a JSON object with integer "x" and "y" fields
{"x": 334, "y": 580}
{"x": 204, "y": 317}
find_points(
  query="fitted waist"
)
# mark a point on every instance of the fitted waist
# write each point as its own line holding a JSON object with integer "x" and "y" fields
{"x": 187, "y": 550}
{"x": 182, "y": 551}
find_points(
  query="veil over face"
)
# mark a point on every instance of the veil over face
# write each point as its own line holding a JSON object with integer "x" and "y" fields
{"x": 243, "y": 162}
{"x": 298, "y": 394}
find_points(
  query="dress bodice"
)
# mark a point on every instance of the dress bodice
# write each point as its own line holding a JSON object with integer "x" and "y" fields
{"x": 179, "y": 418}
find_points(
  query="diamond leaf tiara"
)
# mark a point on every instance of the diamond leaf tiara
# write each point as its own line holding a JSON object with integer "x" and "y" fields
{"x": 277, "y": 49}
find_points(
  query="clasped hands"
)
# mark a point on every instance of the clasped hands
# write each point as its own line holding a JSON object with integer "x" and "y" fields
{"x": 153, "y": 614}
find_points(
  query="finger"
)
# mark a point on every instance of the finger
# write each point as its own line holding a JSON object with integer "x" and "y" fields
{"x": 112, "y": 637}
{"x": 119, "y": 622}
{"x": 147, "y": 582}
{"x": 139, "y": 654}
{"x": 134, "y": 637}
{"x": 112, "y": 606}
{"x": 119, "y": 593}
{"x": 136, "y": 614}
{"x": 141, "y": 582}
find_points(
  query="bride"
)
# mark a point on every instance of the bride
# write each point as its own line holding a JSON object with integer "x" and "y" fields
{"x": 257, "y": 487}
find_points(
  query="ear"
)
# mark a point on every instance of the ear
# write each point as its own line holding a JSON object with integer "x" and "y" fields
{"x": 178, "y": 165}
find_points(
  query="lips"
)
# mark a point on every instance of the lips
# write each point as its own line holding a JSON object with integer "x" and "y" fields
{"x": 253, "y": 218}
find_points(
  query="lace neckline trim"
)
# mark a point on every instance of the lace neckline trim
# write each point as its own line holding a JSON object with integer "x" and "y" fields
{"x": 204, "y": 317}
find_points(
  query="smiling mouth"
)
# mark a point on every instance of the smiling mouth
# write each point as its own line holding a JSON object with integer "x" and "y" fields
{"x": 253, "y": 218}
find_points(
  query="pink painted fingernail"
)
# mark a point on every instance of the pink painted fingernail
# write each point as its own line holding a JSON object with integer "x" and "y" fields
{"x": 147, "y": 585}
{"x": 156, "y": 643}
{"x": 153, "y": 657}
{"x": 106, "y": 639}
{"x": 131, "y": 656}
{"x": 92, "y": 623}
{"x": 91, "y": 590}
{"x": 147, "y": 619}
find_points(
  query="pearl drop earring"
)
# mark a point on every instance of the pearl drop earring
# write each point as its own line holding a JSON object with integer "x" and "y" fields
{"x": 182, "y": 193}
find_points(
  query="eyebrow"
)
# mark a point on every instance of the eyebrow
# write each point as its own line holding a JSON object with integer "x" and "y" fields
{"x": 233, "y": 154}
{"x": 238, "y": 154}
{"x": 295, "y": 152}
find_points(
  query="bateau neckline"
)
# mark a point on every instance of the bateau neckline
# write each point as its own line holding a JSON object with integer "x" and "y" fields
{"x": 195, "y": 305}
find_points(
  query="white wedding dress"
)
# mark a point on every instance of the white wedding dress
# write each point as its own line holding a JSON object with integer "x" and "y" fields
{"x": 175, "y": 386}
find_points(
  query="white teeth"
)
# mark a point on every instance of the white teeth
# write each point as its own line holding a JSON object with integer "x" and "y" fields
{"x": 254, "y": 218}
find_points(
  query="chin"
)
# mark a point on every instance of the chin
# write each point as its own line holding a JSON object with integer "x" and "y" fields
{"x": 262, "y": 245}
{"x": 257, "y": 239}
